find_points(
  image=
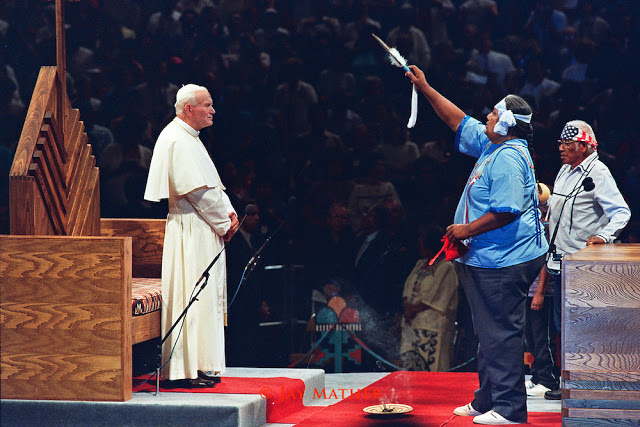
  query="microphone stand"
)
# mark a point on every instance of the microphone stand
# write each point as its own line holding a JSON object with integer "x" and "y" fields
{"x": 204, "y": 278}
{"x": 251, "y": 265}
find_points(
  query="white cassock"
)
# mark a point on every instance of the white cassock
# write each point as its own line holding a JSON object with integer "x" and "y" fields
{"x": 182, "y": 171}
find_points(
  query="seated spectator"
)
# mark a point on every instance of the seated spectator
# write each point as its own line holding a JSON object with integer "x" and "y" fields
{"x": 537, "y": 85}
{"x": 430, "y": 304}
{"x": 420, "y": 53}
{"x": 487, "y": 62}
{"x": 329, "y": 254}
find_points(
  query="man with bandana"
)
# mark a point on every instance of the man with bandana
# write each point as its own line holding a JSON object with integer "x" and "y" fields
{"x": 586, "y": 207}
{"x": 498, "y": 219}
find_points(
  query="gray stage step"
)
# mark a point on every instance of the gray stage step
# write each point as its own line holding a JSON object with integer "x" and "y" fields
{"x": 166, "y": 409}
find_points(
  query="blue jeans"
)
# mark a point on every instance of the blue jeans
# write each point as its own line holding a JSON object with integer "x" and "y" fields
{"x": 497, "y": 298}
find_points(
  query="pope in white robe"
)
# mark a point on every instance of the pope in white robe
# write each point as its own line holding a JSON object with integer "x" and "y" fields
{"x": 200, "y": 220}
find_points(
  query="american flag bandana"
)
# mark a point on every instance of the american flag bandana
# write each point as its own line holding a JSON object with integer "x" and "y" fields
{"x": 574, "y": 134}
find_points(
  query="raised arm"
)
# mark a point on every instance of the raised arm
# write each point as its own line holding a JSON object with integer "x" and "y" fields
{"x": 445, "y": 109}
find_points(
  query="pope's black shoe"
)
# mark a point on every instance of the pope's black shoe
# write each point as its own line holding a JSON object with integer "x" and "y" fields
{"x": 213, "y": 379}
{"x": 553, "y": 395}
{"x": 187, "y": 383}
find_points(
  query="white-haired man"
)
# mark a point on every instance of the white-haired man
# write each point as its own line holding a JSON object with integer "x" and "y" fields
{"x": 201, "y": 218}
{"x": 586, "y": 207}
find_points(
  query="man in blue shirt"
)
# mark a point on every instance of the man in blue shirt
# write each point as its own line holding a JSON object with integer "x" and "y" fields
{"x": 498, "y": 219}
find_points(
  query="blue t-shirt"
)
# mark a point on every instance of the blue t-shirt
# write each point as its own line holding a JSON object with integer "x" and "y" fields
{"x": 502, "y": 180}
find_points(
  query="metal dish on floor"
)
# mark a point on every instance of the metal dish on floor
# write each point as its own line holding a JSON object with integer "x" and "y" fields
{"x": 388, "y": 409}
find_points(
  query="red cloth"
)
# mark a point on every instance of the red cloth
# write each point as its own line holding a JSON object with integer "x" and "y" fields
{"x": 451, "y": 250}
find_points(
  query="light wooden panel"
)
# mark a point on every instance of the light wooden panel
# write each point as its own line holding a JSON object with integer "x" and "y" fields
{"x": 147, "y": 242}
{"x": 53, "y": 182}
{"x": 146, "y": 327}
{"x": 65, "y": 304}
{"x": 601, "y": 335}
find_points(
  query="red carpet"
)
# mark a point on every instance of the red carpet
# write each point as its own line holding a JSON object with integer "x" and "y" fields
{"x": 433, "y": 396}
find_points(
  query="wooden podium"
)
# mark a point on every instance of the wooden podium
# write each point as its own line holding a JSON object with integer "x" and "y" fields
{"x": 601, "y": 336}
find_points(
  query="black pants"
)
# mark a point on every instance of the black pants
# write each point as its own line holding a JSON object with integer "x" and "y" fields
{"x": 497, "y": 299}
{"x": 540, "y": 335}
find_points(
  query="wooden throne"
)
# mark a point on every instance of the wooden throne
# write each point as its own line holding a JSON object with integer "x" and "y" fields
{"x": 66, "y": 323}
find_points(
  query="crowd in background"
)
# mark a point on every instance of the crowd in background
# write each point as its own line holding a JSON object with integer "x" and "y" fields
{"x": 310, "y": 122}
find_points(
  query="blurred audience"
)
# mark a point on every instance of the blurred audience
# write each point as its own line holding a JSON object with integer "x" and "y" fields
{"x": 310, "y": 106}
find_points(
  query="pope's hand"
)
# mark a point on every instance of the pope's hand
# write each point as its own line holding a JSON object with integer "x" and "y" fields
{"x": 234, "y": 227}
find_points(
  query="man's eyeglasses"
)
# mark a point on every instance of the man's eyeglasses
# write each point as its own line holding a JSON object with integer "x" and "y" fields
{"x": 566, "y": 143}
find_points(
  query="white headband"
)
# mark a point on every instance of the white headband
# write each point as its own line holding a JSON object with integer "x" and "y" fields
{"x": 507, "y": 119}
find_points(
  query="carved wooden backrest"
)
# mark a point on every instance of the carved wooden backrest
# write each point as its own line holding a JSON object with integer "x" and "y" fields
{"x": 54, "y": 182}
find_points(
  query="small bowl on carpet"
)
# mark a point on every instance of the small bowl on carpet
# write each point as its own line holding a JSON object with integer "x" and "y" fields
{"x": 388, "y": 410}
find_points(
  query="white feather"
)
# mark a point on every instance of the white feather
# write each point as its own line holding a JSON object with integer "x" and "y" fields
{"x": 395, "y": 58}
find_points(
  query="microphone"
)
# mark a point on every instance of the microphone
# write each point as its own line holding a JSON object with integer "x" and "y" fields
{"x": 248, "y": 269}
{"x": 250, "y": 209}
{"x": 290, "y": 203}
{"x": 586, "y": 185}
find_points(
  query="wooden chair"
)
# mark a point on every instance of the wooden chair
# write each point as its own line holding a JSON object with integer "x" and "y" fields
{"x": 66, "y": 275}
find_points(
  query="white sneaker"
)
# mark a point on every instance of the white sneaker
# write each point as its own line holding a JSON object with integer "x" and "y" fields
{"x": 492, "y": 418}
{"x": 537, "y": 390}
{"x": 529, "y": 384}
{"x": 466, "y": 411}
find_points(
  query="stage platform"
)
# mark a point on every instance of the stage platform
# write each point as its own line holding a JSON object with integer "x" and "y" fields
{"x": 219, "y": 409}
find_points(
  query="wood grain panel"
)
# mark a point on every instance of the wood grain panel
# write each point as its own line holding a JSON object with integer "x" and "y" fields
{"x": 601, "y": 362}
{"x": 64, "y": 390}
{"x": 47, "y": 194}
{"x": 22, "y": 198}
{"x": 603, "y": 285}
{"x": 59, "y": 162}
{"x": 593, "y": 422}
{"x": 55, "y": 177}
{"x": 600, "y": 376}
{"x": 604, "y": 394}
{"x": 49, "y": 126}
{"x": 59, "y": 257}
{"x": 146, "y": 327}
{"x": 40, "y": 101}
{"x": 47, "y": 145}
{"x": 74, "y": 145}
{"x": 613, "y": 386}
{"x": 600, "y": 339}
{"x": 41, "y": 316}
{"x": 62, "y": 367}
{"x": 78, "y": 187}
{"x": 148, "y": 239}
{"x": 611, "y": 414}
{"x": 65, "y": 304}
{"x": 627, "y": 252}
{"x": 63, "y": 291}
{"x": 77, "y": 338}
